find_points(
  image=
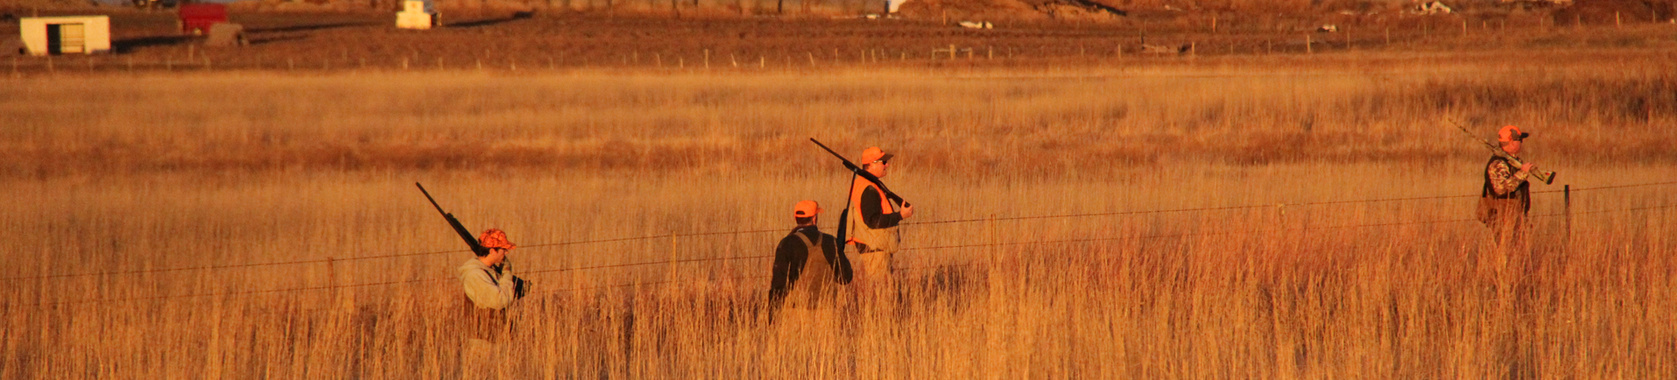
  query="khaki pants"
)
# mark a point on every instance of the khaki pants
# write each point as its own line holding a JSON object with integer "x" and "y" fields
{"x": 872, "y": 266}
{"x": 1510, "y": 252}
{"x": 876, "y": 290}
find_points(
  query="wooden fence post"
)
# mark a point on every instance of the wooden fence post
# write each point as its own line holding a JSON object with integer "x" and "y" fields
{"x": 332, "y": 279}
{"x": 672, "y": 268}
{"x": 1567, "y": 191}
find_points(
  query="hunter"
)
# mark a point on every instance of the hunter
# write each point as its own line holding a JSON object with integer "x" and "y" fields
{"x": 874, "y": 219}
{"x": 808, "y": 269}
{"x": 1506, "y": 196}
{"x": 490, "y": 288}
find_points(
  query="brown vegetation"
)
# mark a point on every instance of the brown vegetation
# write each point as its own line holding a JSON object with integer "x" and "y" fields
{"x": 1103, "y": 221}
{"x": 592, "y": 122}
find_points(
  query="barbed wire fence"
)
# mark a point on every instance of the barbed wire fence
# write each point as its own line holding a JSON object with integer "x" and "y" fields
{"x": 1565, "y": 191}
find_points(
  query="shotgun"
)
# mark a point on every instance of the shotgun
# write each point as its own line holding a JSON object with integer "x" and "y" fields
{"x": 862, "y": 173}
{"x": 465, "y": 234}
{"x": 1546, "y": 177}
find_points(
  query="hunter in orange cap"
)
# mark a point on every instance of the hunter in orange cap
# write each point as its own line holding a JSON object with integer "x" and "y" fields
{"x": 873, "y": 224}
{"x": 490, "y": 288}
{"x": 807, "y": 268}
{"x": 1506, "y": 197}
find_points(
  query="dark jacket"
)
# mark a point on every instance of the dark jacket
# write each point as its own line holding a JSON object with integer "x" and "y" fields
{"x": 792, "y": 257}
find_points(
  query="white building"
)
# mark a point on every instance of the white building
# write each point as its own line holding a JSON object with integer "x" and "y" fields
{"x": 65, "y": 34}
{"x": 416, "y": 14}
{"x": 892, "y": 5}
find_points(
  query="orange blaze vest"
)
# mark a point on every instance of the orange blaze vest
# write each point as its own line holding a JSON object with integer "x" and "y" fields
{"x": 883, "y": 239}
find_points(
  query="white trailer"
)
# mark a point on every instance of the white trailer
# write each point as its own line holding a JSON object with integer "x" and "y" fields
{"x": 417, "y": 14}
{"x": 65, "y": 34}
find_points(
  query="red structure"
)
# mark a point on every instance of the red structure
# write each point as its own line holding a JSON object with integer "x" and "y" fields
{"x": 196, "y": 19}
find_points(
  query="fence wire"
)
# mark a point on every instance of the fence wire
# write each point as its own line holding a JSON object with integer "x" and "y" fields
{"x": 909, "y": 249}
{"x": 775, "y": 230}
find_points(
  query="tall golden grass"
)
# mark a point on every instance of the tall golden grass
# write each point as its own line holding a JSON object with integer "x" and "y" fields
{"x": 122, "y": 174}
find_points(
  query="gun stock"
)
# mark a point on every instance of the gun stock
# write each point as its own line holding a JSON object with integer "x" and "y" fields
{"x": 857, "y": 170}
{"x": 465, "y": 234}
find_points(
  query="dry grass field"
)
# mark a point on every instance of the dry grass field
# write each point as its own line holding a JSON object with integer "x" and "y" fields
{"x": 1278, "y": 218}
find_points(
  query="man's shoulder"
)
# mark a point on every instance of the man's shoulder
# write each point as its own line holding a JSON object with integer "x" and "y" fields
{"x": 471, "y": 265}
{"x": 1497, "y": 162}
{"x": 810, "y": 234}
{"x": 791, "y": 239}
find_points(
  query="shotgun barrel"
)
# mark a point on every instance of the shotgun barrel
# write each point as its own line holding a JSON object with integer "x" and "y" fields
{"x": 465, "y": 234}
{"x": 862, "y": 173}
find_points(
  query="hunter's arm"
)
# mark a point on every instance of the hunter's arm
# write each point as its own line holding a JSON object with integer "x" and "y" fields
{"x": 874, "y": 214}
{"x": 785, "y": 255}
{"x": 1503, "y": 178}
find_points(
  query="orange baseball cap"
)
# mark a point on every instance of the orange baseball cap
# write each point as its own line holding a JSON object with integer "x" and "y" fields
{"x": 1510, "y": 133}
{"x": 873, "y": 153}
{"x": 805, "y": 209}
{"x": 495, "y": 238}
